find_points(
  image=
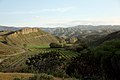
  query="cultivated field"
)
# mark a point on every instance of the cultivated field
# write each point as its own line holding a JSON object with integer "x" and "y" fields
{"x": 16, "y": 63}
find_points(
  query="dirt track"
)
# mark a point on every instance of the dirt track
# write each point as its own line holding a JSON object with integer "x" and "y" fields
{"x": 11, "y": 76}
{"x": 7, "y": 56}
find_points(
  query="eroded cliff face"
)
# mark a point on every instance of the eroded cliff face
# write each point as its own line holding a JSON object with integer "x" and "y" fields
{"x": 25, "y": 31}
{"x": 28, "y": 30}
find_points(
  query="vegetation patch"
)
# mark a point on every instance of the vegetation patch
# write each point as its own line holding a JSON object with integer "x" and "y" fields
{"x": 39, "y": 47}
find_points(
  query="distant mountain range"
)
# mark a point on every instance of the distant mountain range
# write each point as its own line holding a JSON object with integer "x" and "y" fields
{"x": 83, "y": 30}
{"x": 9, "y": 28}
{"x": 90, "y": 34}
{"x": 82, "y": 27}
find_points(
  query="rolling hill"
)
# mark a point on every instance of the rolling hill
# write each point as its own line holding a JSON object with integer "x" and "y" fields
{"x": 15, "y": 41}
{"x": 29, "y": 36}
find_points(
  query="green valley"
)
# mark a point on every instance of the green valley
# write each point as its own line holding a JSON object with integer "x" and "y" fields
{"x": 44, "y": 56}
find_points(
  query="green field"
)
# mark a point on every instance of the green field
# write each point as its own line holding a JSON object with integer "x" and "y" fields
{"x": 38, "y": 47}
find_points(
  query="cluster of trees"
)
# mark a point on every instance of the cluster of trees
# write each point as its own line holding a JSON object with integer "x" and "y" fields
{"x": 55, "y": 45}
{"x": 84, "y": 66}
{"x": 100, "y": 63}
{"x": 51, "y": 62}
{"x": 41, "y": 76}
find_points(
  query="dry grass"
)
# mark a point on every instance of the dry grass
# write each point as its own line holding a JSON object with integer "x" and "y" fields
{"x": 11, "y": 76}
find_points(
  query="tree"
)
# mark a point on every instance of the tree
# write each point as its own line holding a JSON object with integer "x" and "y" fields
{"x": 78, "y": 47}
{"x": 55, "y": 45}
{"x": 83, "y": 66}
{"x": 108, "y": 56}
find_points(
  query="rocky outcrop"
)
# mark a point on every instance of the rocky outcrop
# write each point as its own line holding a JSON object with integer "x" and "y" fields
{"x": 25, "y": 31}
{"x": 28, "y": 30}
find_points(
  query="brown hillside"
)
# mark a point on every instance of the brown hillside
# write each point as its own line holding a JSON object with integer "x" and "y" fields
{"x": 30, "y": 36}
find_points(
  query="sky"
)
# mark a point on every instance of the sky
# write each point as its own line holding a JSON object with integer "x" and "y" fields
{"x": 59, "y": 13}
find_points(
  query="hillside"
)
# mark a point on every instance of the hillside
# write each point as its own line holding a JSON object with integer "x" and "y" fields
{"x": 114, "y": 35}
{"x": 14, "y": 41}
{"x": 87, "y": 33}
{"x": 29, "y": 36}
{"x": 6, "y": 49}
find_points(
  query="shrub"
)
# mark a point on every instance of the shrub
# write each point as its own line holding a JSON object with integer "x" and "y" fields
{"x": 55, "y": 45}
{"x": 83, "y": 66}
{"x": 47, "y": 62}
{"x": 41, "y": 76}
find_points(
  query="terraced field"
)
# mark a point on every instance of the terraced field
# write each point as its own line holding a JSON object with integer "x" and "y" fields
{"x": 14, "y": 62}
{"x": 18, "y": 62}
{"x": 64, "y": 53}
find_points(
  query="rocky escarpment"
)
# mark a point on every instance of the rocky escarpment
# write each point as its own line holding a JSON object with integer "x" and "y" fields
{"x": 28, "y": 30}
{"x": 25, "y": 31}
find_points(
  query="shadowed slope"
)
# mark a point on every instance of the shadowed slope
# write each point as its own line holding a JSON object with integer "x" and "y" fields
{"x": 114, "y": 35}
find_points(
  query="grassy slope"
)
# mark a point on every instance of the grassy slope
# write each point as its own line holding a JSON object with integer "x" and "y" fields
{"x": 6, "y": 49}
{"x": 11, "y": 76}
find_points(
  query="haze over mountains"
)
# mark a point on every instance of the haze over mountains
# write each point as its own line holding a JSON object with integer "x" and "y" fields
{"x": 17, "y": 45}
{"x": 82, "y": 27}
{"x": 79, "y": 31}
{"x": 9, "y": 28}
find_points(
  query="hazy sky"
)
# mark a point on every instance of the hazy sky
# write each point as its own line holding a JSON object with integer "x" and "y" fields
{"x": 47, "y": 13}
